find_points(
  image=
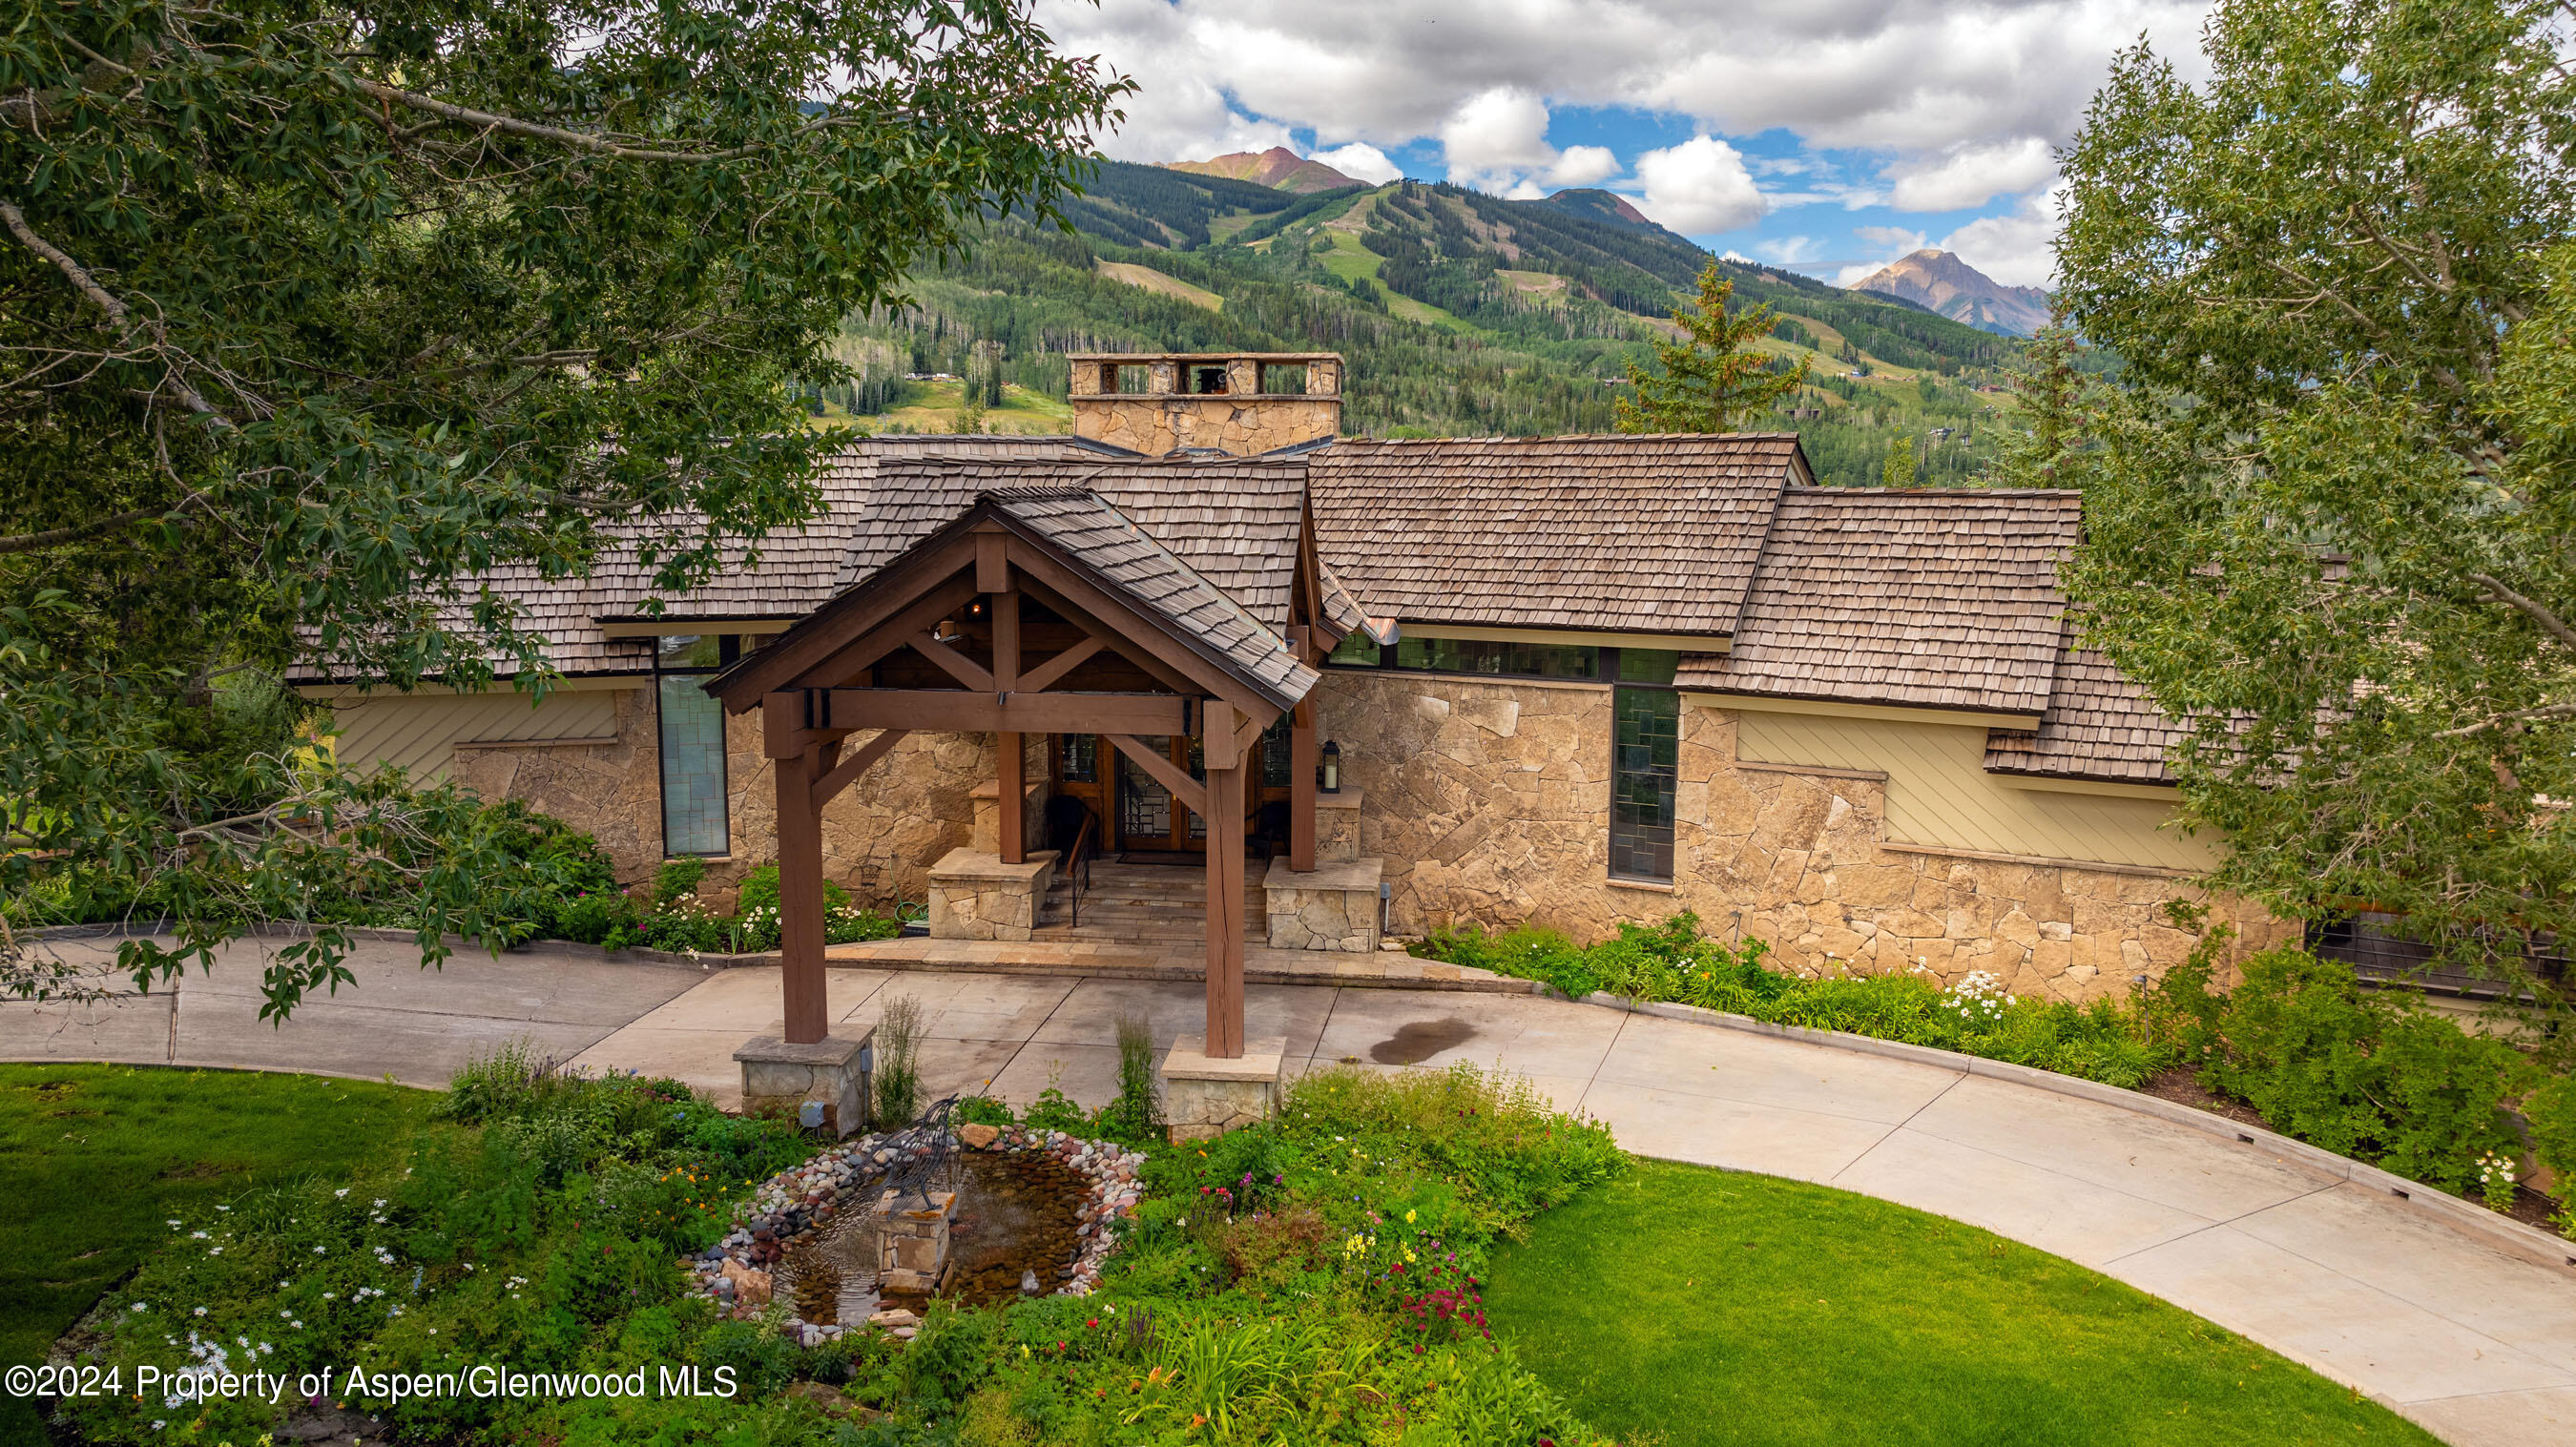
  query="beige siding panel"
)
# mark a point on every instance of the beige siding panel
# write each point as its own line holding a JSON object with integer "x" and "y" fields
{"x": 1939, "y": 793}
{"x": 418, "y": 733}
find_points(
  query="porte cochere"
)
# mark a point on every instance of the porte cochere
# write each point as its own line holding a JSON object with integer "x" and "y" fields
{"x": 1141, "y": 701}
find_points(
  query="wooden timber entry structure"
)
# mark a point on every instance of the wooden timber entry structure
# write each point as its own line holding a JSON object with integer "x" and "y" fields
{"x": 1037, "y": 610}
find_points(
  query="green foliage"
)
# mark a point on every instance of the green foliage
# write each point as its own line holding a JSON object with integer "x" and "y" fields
{"x": 1675, "y": 961}
{"x": 677, "y": 879}
{"x": 2358, "y": 1072}
{"x": 2326, "y": 512}
{"x": 2552, "y": 1113}
{"x": 1898, "y": 470}
{"x": 1137, "y": 1112}
{"x": 543, "y": 1233}
{"x": 1711, "y": 380}
{"x": 314, "y": 312}
{"x": 898, "y": 1061}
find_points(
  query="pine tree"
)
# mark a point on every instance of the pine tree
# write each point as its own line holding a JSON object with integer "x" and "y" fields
{"x": 1712, "y": 379}
{"x": 2053, "y": 395}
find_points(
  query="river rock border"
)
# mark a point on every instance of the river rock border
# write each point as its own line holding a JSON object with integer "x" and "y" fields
{"x": 736, "y": 1272}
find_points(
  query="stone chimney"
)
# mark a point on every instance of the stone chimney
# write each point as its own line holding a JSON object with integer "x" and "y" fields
{"x": 1234, "y": 402}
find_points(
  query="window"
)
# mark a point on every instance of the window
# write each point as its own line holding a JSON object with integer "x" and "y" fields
{"x": 692, "y": 743}
{"x": 1129, "y": 378}
{"x": 1645, "y": 759}
{"x": 1357, "y": 651}
{"x": 1468, "y": 655}
{"x": 1276, "y": 744}
{"x": 1207, "y": 381}
{"x": 1077, "y": 758}
{"x": 1472, "y": 656}
{"x": 1287, "y": 377}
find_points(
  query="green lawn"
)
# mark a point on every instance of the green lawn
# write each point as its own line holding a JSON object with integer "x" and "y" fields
{"x": 1689, "y": 1305}
{"x": 95, "y": 1159}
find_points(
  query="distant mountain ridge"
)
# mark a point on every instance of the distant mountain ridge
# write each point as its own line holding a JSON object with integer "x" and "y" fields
{"x": 1941, "y": 283}
{"x": 1279, "y": 168}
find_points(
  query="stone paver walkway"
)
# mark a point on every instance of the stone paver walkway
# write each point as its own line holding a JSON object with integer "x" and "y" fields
{"x": 2476, "y": 1344}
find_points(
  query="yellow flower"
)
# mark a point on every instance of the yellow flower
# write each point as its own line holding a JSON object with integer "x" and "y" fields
{"x": 1408, "y": 1218}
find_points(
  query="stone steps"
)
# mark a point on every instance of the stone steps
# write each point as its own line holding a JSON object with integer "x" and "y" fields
{"x": 1148, "y": 905}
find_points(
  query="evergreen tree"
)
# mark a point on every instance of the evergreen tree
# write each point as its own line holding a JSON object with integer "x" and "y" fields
{"x": 1713, "y": 379}
{"x": 2053, "y": 395}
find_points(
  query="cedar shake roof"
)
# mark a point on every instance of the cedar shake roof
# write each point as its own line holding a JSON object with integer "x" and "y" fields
{"x": 1097, "y": 537}
{"x": 1646, "y": 534}
{"x": 1234, "y": 521}
{"x": 1934, "y": 598}
{"x": 2098, "y": 726}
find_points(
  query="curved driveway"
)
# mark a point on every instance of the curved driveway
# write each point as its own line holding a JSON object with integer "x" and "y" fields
{"x": 2477, "y": 1344}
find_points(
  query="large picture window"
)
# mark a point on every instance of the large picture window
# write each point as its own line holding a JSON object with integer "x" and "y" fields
{"x": 692, "y": 745}
{"x": 1645, "y": 760}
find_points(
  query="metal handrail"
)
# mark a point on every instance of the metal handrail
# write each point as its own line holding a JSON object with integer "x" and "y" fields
{"x": 1077, "y": 866}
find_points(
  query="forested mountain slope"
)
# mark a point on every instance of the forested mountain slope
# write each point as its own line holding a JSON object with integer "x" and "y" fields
{"x": 1461, "y": 314}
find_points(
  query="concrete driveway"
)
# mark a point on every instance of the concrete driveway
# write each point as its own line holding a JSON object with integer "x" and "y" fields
{"x": 414, "y": 1025}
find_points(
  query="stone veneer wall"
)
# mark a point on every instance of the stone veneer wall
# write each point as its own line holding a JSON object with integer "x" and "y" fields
{"x": 612, "y": 790}
{"x": 880, "y": 836}
{"x": 1240, "y": 425}
{"x": 1489, "y": 802}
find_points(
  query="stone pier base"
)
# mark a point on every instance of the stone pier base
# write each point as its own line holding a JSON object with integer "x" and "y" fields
{"x": 912, "y": 1240}
{"x": 1204, "y": 1097}
{"x": 975, "y": 896}
{"x": 777, "y": 1078}
{"x": 1333, "y": 906}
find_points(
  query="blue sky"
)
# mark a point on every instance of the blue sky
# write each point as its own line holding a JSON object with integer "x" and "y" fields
{"x": 1829, "y": 136}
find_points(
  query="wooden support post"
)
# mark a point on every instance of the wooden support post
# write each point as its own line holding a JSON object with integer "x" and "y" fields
{"x": 1012, "y": 760}
{"x": 1302, "y": 761}
{"x": 800, "y": 893}
{"x": 1224, "y": 816}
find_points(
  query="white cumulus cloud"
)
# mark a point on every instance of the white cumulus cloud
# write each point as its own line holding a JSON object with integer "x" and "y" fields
{"x": 1911, "y": 78}
{"x": 1970, "y": 175}
{"x": 2017, "y": 249}
{"x": 1583, "y": 166}
{"x": 1361, "y": 162}
{"x": 1698, "y": 187}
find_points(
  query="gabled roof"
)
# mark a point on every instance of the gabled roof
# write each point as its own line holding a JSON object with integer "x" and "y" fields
{"x": 1102, "y": 541}
{"x": 1232, "y": 520}
{"x": 1938, "y": 598}
{"x": 1650, "y": 534}
{"x": 2098, "y": 726}
{"x": 798, "y": 568}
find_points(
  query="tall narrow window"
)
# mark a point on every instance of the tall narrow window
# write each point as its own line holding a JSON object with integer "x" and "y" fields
{"x": 1645, "y": 759}
{"x": 693, "y": 746}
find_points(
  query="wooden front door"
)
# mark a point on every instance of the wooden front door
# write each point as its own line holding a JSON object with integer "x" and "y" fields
{"x": 1137, "y": 813}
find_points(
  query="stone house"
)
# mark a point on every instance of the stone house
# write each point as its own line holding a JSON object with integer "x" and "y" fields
{"x": 1573, "y": 680}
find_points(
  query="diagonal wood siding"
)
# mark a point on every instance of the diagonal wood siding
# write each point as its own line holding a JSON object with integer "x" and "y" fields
{"x": 418, "y": 733}
{"x": 1939, "y": 793}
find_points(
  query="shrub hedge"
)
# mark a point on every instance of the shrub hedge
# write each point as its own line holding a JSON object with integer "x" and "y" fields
{"x": 2366, "y": 1073}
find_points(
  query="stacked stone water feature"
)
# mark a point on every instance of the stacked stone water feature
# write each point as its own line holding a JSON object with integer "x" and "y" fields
{"x": 775, "y": 1255}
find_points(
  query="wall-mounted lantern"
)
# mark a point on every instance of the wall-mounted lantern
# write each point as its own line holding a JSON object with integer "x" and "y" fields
{"x": 1332, "y": 769}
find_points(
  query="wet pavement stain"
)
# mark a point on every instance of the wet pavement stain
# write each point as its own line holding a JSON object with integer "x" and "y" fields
{"x": 1420, "y": 1040}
